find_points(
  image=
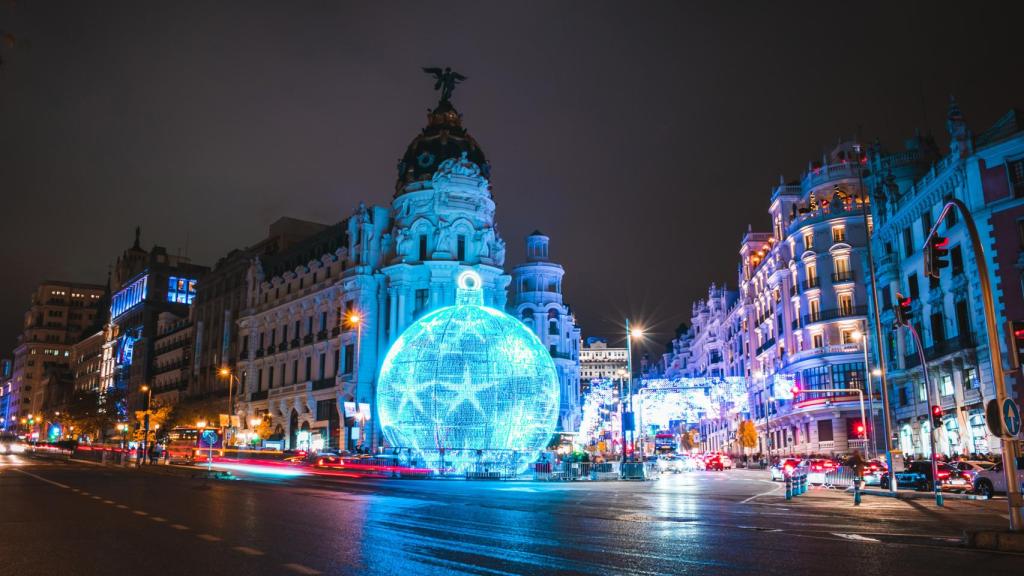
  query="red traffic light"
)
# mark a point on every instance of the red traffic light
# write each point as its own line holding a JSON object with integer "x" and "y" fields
{"x": 903, "y": 309}
{"x": 936, "y": 410}
{"x": 795, "y": 391}
{"x": 860, "y": 428}
{"x": 935, "y": 255}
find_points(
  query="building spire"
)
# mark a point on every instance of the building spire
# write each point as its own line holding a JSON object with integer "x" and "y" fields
{"x": 138, "y": 233}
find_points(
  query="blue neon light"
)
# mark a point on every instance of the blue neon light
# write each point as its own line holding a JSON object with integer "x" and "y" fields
{"x": 472, "y": 381}
{"x": 126, "y": 298}
{"x": 181, "y": 290}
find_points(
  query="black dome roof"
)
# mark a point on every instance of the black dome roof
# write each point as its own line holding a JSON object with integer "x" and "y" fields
{"x": 443, "y": 138}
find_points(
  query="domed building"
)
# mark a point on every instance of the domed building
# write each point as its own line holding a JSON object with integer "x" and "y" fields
{"x": 320, "y": 317}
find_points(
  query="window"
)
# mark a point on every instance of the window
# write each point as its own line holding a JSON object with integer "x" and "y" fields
{"x": 259, "y": 379}
{"x": 912, "y": 286}
{"x": 323, "y": 365}
{"x": 181, "y": 290}
{"x": 295, "y": 371}
{"x": 1015, "y": 170}
{"x": 284, "y": 333}
{"x": 261, "y": 341}
{"x": 825, "y": 431}
{"x": 963, "y": 318}
{"x": 422, "y": 297}
{"x": 350, "y": 355}
{"x": 847, "y": 336}
{"x": 838, "y": 234}
{"x": 309, "y": 325}
{"x": 946, "y": 385}
{"x": 282, "y": 374}
{"x": 903, "y": 396}
{"x": 908, "y": 241}
{"x": 814, "y": 311}
{"x": 956, "y": 260}
{"x": 298, "y": 324}
{"x": 970, "y": 377}
{"x": 324, "y": 408}
{"x": 460, "y": 251}
{"x": 309, "y": 367}
{"x": 270, "y": 377}
{"x": 818, "y": 340}
{"x": 323, "y": 321}
{"x": 845, "y": 304}
{"x": 926, "y": 223}
{"x": 808, "y": 241}
{"x": 922, "y": 393}
{"x": 423, "y": 247}
{"x": 938, "y": 328}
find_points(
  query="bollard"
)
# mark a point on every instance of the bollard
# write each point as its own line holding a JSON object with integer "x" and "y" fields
{"x": 856, "y": 491}
{"x": 789, "y": 488}
{"x": 803, "y": 483}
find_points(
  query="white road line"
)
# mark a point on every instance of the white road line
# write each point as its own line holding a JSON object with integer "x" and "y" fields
{"x": 249, "y": 551}
{"x": 96, "y": 498}
{"x": 855, "y": 537}
{"x": 122, "y": 506}
{"x": 108, "y": 501}
{"x": 157, "y": 519}
{"x": 299, "y": 568}
{"x": 58, "y": 484}
{"x": 179, "y": 526}
{"x": 761, "y": 494}
{"x": 140, "y": 512}
{"x": 209, "y": 537}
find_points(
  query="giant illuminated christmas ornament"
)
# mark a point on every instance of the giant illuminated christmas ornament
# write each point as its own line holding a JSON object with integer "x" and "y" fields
{"x": 468, "y": 387}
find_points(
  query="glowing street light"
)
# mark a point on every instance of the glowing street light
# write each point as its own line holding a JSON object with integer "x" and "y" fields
{"x": 862, "y": 337}
{"x": 225, "y": 372}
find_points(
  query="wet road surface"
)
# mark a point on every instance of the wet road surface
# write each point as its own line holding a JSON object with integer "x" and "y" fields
{"x": 69, "y": 518}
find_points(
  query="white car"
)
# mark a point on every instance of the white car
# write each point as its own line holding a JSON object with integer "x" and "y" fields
{"x": 993, "y": 480}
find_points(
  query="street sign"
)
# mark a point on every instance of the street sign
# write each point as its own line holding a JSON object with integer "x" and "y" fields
{"x": 1011, "y": 417}
{"x": 209, "y": 437}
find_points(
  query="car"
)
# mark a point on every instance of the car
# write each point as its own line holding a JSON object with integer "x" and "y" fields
{"x": 668, "y": 463}
{"x": 818, "y": 468}
{"x": 993, "y": 481}
{"x": 726, "y": 461}
{"x": 970, "y": 468}
{"x": 918, "y": 475}
{"x": 873, "y": 471}
{"x": 714, "y": 463}
{"x": 783, "y": 468}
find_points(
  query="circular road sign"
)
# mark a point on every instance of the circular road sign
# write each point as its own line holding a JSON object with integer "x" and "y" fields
{"x": 1011, "y": 417}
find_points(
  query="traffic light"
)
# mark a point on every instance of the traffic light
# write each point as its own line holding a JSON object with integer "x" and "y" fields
{"x": 794, "y": 390}
{"x": 935, "y": 254}
{"x": 936, "y": 417}
{"x": 1015, "y": 331}
{"x": 902, "y": 310}
{"x": 859, "y": 428}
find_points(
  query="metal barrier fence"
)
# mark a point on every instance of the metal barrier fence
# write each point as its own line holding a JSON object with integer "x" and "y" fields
{"x": 840, "y": 477}
{"x": 566, "y": 471}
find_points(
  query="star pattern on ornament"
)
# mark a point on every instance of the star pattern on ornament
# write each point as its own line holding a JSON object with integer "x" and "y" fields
{"x": 466, "y": 391}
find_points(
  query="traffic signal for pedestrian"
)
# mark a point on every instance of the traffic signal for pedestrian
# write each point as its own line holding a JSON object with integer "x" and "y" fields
{"x": 936, "y": 417}
{"x": 935, "y": 254}
{"x": 1015, "y": 330}
{"x": 902, "y": 310}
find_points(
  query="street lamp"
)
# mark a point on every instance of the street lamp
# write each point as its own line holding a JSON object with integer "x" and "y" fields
{"x": 355, "y": 320}
{"x": 862, "y": 337}
{"x": 145, "y": 433}
{"x": 630, "y": 335}
{"x": 225, "y": 372}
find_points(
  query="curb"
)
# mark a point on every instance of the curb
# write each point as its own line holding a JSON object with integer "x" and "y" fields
{"x": 922, "y": 495}
{"x": 995, "y": 540}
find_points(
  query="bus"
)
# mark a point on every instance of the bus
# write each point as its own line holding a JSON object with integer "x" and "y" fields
{"x": 665, "y": 442}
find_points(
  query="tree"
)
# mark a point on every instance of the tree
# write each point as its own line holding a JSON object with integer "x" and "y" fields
{"x": 689, "y": 439}
{"x": 747, "y": 434}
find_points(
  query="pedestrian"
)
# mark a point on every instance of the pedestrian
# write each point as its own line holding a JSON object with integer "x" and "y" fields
{"x": 856, "y": 463}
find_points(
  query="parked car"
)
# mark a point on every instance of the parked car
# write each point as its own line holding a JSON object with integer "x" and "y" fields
{"x": 783, "y": 468}
{"x": 714, "y": 463}
{"x": 993, "y": 481}
{"x": 918, "y": 475}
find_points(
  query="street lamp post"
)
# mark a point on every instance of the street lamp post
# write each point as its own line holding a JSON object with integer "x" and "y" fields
{"x": 863, "y": 337}
{"x": 145, "y": 433}
{"x": 630, "y": 334}
{"x": 354, "y": 320}
{"x": 226, "y": 372}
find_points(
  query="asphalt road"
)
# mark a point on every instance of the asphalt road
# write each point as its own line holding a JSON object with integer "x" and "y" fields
{"x": 69, "y": 518}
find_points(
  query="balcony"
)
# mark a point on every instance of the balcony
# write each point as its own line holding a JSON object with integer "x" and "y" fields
{"x": 259, "y": 352}
{"x": 810, "y": 283}
{"x": 307, "y": 339}
{"x": 321, "y": 335}
{"x": 295, "y": 342}
{"x": 844, "y": 276}
{"x": 258, "y": 395}
{"x": 561, "y": 355}
{"x": 826, "y": 350}
{"x": 271, "y": 349}
{"x": 768, "y": 344}
{"x": 940, "y": 349}
{"x": 835, "y": 314}
{"x": 336, "y": 330}
{"x": 323, "y": 384}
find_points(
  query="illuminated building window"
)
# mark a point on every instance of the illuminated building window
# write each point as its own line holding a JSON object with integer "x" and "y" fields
{"x": 838, "y": 234}
{"x": 129, "y": 296}
{"x": 181, "y": 290}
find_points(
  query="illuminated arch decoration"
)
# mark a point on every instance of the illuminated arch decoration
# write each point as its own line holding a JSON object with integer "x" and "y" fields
{"x": 468, "y": 385}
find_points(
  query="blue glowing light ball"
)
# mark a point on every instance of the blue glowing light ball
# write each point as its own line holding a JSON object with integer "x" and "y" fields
{"x": 467, "y": 386}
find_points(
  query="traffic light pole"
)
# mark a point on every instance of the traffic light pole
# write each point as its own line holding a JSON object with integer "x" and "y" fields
{"x": 931, "y": 423}
{"x": 1014, "y": 500}
{"x": 887, "y": 428}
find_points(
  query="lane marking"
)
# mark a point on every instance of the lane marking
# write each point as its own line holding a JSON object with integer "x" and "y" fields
{"x": 855, "y": 537}
{"x": 209, "y": 537}
{"x": 122, "y": 506}
{"x": 774, "y": 489}
{"x": 108, "y": 501}
{"x": 299, "y": 568}
{"x": 96, "y": 498}
{"x": 140, "y": 513}
{"x": 249, "y": 551}
{"x": 179, "y": 526}
{"x": 157, "y": 519}
{"x": 58, "y": 484}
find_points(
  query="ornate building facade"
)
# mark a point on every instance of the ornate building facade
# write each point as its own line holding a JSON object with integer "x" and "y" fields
{"x": 319, "y": 317}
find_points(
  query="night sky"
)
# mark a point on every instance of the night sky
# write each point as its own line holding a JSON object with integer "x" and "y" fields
{"x": 642, "y": 137}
